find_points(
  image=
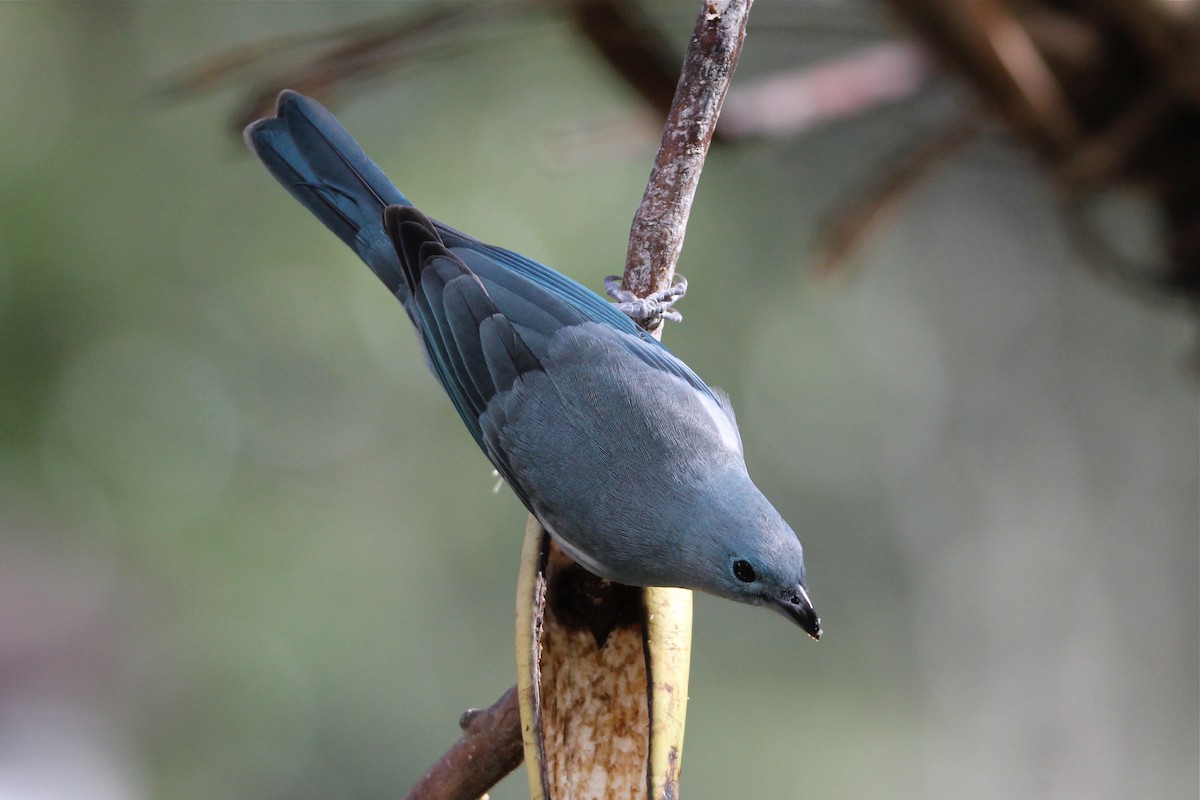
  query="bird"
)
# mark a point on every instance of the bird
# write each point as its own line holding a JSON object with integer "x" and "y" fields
{"x": 630, "y": 461}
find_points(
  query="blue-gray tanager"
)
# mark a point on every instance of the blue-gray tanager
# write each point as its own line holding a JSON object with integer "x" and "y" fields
{"x": 627, "y": 458}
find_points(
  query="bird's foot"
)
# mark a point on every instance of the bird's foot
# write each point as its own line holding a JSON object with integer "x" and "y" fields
{"x": 647, "y": 311}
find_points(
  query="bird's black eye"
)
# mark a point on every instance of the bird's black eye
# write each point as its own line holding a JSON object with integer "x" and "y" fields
{"x": 743, "y": 571}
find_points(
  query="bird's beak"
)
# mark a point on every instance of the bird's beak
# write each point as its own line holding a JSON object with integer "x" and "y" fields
{"x": 796, "y": 606}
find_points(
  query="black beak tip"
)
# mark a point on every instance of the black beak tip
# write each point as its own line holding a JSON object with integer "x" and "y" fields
{"x": 797, "y": 606}
{"x": 811, "y": 625}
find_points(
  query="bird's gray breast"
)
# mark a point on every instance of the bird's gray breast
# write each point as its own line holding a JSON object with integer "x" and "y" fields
{"x": 610, "y": 450}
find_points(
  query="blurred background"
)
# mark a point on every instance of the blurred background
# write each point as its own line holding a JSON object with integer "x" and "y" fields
{"x": 247, "y": 550}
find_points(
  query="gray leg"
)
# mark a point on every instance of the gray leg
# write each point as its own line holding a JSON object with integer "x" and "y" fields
{"x": 647, "y": 311}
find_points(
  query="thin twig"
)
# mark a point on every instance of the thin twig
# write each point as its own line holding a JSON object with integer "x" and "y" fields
{"x": 656, "y": 237}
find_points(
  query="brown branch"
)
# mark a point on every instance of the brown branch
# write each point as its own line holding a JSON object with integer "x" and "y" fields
{"x": 489, "y": 749}
{"x": 656, "y": 237}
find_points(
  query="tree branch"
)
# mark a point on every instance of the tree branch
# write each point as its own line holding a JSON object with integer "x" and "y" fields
{"x": 656, "y": 237}
{"x": 489, "y": 749}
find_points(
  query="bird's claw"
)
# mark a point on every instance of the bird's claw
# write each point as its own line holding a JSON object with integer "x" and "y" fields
{"x": 651, "y": 310}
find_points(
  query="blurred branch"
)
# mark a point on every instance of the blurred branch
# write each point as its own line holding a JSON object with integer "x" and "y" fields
{"x": 626, "y": 38}
{"x": 371, "y": 50}
{"x": 1106, "y": 93}
{"x": 789, "y": 102}
{"x": 348, "y": 55}
{"x": 983, "y": 41}
{"x": 784, "y": 103}
{"x": 862, "y": 215}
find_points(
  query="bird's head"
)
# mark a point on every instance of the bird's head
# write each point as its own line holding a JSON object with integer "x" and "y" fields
{"x": 754, "y": 557}
{"x": 765, "y": 578}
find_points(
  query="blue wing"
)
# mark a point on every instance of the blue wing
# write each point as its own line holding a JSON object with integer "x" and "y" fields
{"x": 485, "y": 314}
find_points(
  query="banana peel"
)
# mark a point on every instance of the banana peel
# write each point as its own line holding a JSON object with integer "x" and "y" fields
{"x": 602, "y": 679}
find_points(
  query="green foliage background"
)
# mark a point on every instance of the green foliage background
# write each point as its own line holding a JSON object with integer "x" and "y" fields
{"x": 247, "y": 550}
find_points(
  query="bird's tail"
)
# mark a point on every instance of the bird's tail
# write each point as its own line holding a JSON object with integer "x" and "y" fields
{"x": 316, "y": 159}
